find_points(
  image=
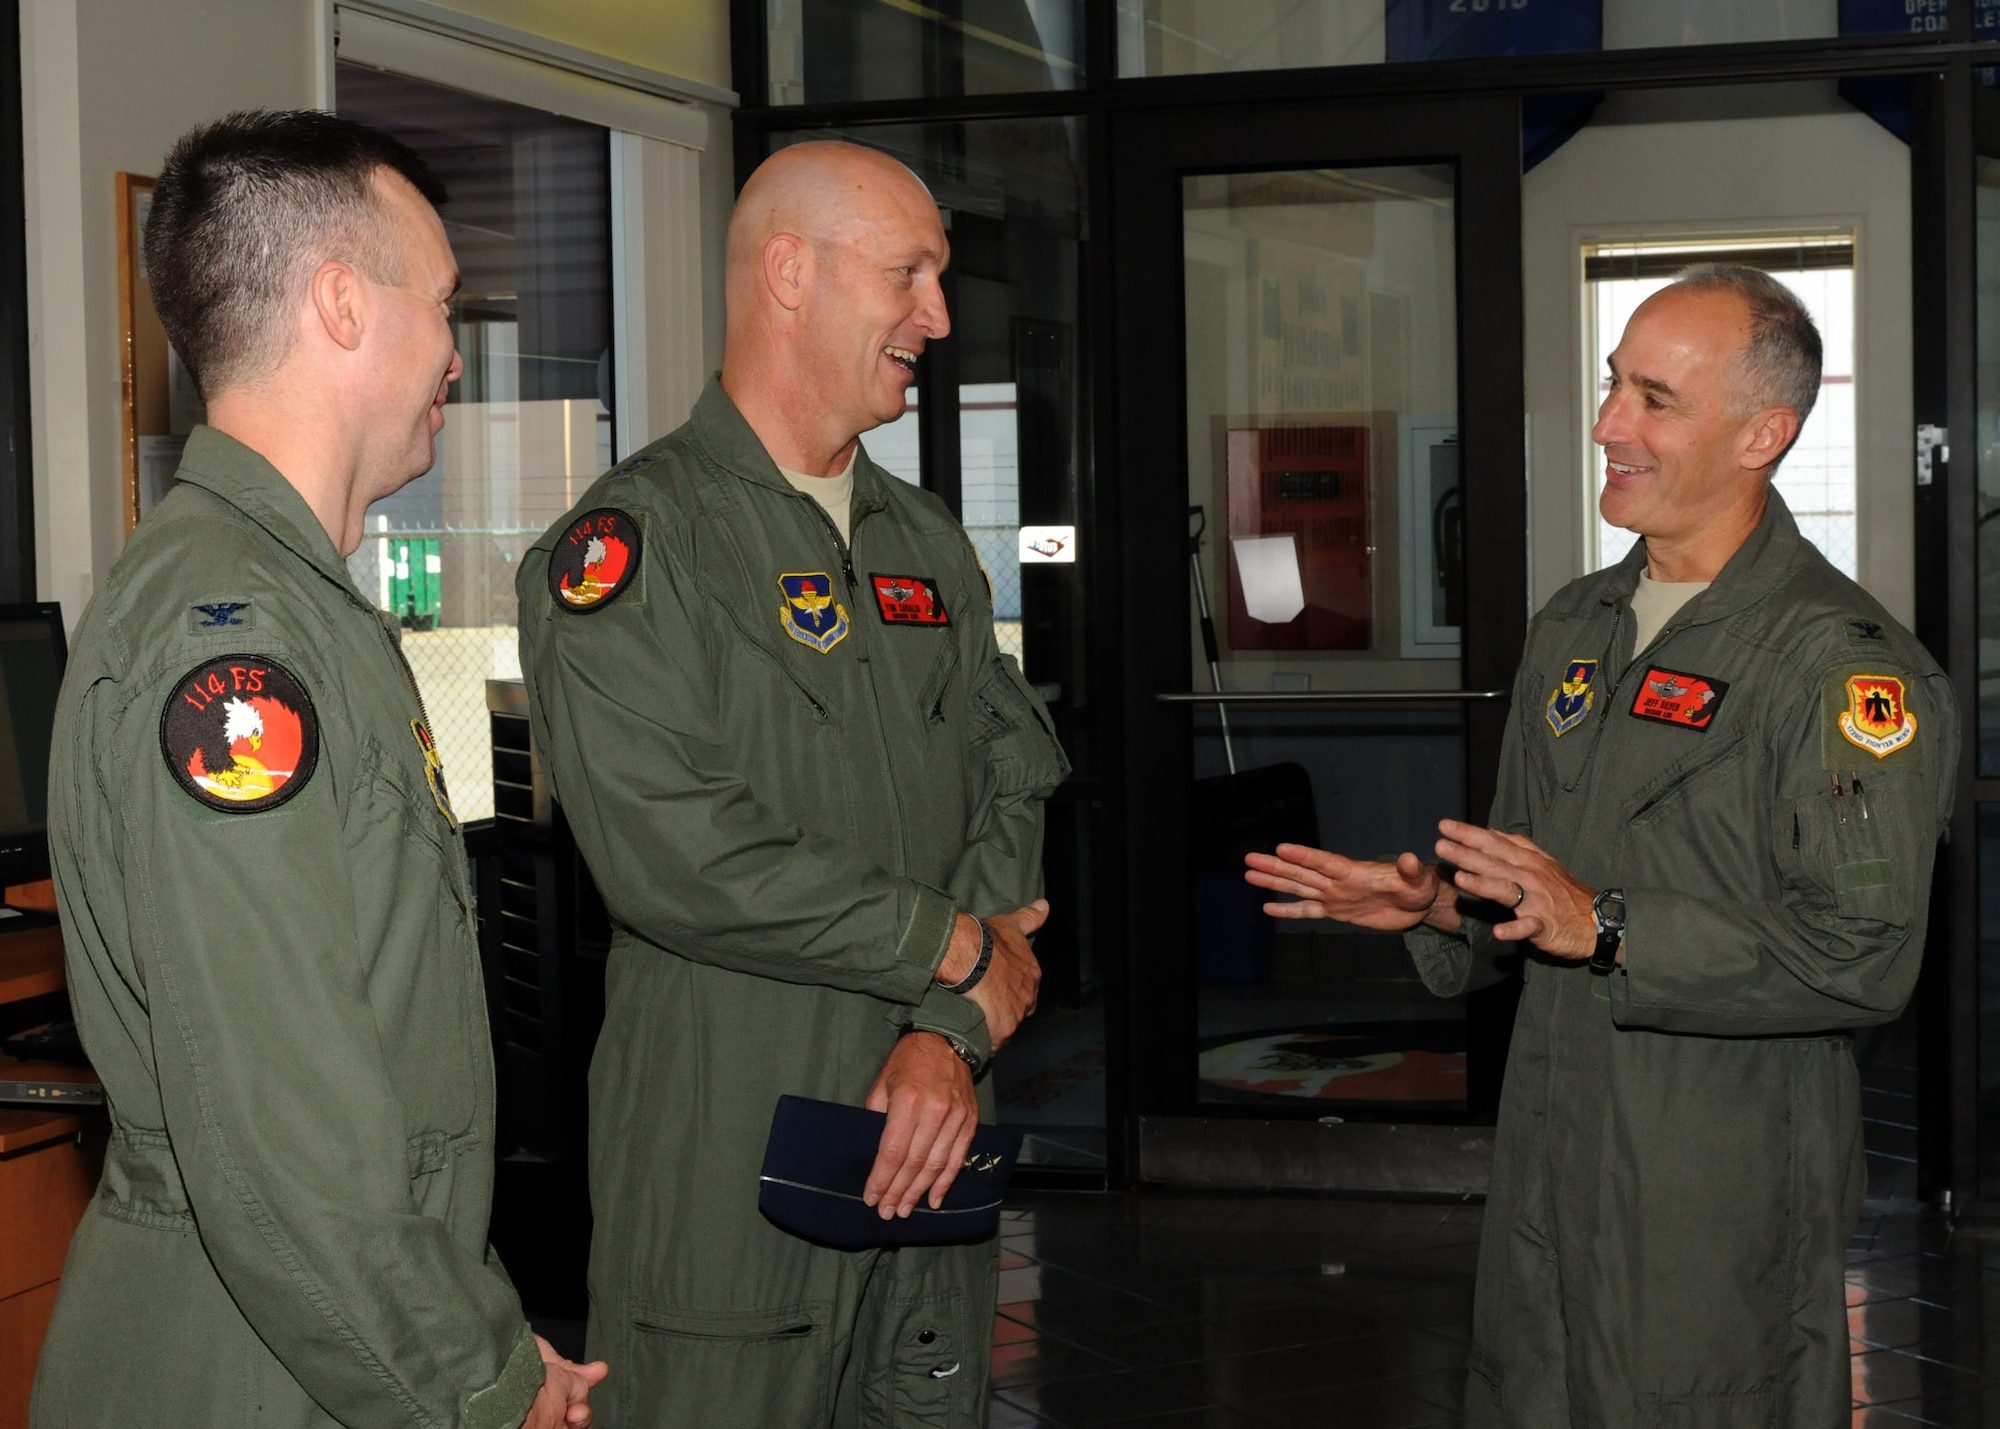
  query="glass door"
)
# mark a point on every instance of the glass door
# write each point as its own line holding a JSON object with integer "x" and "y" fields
{"x": 1324, "y": 597}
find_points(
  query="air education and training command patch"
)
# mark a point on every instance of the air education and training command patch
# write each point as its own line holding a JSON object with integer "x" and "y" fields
{"x": 1876, "y": 718}
{"x": 1571, "y": 700}
{"x": 908, "y": 600}
{"x": 1671, "y": 697}
{"x": 595, "y": 560}
{"x": 434, "y": 770}
{"x": 810, "y": 614}
{"x": 240, "y": 734}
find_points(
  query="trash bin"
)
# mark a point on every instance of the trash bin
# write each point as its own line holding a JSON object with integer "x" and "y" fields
{"x": 416, "y": 583}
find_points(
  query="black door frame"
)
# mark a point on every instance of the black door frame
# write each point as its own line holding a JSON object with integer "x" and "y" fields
{"x": 1151, "y": 152}
{"x": 1942, "y": 70}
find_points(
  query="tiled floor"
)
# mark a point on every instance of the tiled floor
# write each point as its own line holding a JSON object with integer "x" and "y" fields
{"x": 1175, "y": 1311}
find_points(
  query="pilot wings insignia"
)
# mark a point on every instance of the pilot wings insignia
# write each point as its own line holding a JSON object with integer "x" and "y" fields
{"x": 1667, "y": 689}
{"x": 810, "y": 614}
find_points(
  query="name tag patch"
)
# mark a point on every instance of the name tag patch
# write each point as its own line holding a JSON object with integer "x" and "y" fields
{"x": 1676, "y": 698}
{"x": 240, "y": 734}
{"x": 908, "y": 600}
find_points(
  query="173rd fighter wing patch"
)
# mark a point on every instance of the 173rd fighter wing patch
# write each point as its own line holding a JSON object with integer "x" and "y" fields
{"x": 595, "y": 560}
{"x": 1875, "y": 717}
{"x": 240, "y": 734}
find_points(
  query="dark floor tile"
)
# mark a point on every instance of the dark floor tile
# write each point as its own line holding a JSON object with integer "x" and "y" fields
{"x": 1006, "y": 1331}
{"x": 1115, "y": 1398}
{"x": 1041, "y": 1359}
{"x": 1387, "y": 1404}
{"x": 1209, "y": 1416}
{"x": 1286, "y": 1325}
{"x": 1004, "y": 1414}
{"x": 1160, "y": 1343}
{"x": 1891, "y": 1376}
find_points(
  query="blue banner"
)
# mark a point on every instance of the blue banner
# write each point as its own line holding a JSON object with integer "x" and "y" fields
{"x": 1480, "y": 29}
{"x": 1913, "y": 17}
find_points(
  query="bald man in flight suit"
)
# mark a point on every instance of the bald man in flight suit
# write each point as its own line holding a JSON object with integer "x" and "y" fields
{"x": 763, "y": 674}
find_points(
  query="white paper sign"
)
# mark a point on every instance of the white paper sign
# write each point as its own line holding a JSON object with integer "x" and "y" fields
{"x": 1048, "y": 545}
{"x": 1269, "y": 568}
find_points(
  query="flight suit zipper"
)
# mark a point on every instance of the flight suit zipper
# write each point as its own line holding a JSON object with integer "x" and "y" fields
{"x": 887, "y": 765}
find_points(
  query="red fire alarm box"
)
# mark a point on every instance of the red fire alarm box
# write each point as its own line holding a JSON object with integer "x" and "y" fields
{"x": 1310, "y": 483}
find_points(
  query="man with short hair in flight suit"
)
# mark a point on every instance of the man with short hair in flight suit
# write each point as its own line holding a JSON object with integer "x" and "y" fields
{"x": 264, "y": 893}
{"x": 764, "y": 680}
{"x": 1721, "y": 789}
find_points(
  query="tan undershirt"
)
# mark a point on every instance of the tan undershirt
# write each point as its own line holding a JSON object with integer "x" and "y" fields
{"x": 835, "y": 494}
{"x": 1654, "y": 603}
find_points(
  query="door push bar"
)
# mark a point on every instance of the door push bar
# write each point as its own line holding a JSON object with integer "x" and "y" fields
{"x": 1327, "y": 697}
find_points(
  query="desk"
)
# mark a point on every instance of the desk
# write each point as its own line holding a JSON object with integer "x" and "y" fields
{"x": 49, "y": 1164}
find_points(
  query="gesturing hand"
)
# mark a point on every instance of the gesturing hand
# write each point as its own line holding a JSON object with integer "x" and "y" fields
{"x": 1390, "y": 896}
{"x": 1551, "y": 908}
{"x": 927, "y": 1092}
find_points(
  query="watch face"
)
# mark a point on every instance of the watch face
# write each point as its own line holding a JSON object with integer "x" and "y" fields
{"x": 1609, "y": 906}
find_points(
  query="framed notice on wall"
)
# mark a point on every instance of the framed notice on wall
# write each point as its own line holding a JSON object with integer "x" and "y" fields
{"x": 1478, "y": 29}
{"x": 161, "y": 405}
{"x": 1298, "y": 537}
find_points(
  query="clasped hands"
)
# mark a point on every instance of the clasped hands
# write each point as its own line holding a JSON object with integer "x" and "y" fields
{"x": 563, "y": 1402}
{"x": 1551, "y": 907}
{"x": 925, "y": 1088}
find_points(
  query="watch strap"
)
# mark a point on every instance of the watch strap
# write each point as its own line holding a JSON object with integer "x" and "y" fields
{"x": 971, "y": 979}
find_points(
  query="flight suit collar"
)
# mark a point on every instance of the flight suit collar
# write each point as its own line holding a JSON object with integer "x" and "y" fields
{"x": 226, "y": 468}
{"x": 1756, "y": 570}
{"x": 721, "y": 428}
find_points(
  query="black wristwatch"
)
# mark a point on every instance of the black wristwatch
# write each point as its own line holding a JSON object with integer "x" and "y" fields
{"x": 1608, "y": 909}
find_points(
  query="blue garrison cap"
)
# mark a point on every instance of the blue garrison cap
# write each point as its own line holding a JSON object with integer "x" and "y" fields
{"x": 817, "y": 1162}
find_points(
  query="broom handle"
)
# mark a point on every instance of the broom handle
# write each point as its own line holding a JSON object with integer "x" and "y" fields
{"x": 1208, "y": 630}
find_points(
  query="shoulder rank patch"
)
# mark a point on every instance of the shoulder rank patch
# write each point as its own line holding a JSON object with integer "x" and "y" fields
{"x": 240, "y": 734}
{"x": 1571, "y": 700}
{"x": 1671, "y": 697}
{"x": 909, "y": 600}
{"x": 222, "y": 615}
{"x": 434, "y": 770}
{"x": 809, "y": 613}
{"x": 595, "y": 559}
{"x": 1876, "y": 718}
{"x": 1862, "y": 632}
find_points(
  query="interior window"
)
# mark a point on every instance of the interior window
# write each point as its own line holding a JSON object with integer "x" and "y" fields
{"x": 1817, "y": 477}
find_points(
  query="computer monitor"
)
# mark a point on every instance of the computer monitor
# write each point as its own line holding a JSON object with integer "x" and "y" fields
{"x": 32, "y": 654}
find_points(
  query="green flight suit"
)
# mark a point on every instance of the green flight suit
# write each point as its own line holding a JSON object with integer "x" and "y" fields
{"x": 284, "y": 1002}
{"x": 1678, "y": 1164}
{"x": 784, "y": 797}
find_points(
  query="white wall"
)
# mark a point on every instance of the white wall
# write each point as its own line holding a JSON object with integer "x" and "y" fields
{"x": 107, "y": 84}
{"x": 1744, "y": 159}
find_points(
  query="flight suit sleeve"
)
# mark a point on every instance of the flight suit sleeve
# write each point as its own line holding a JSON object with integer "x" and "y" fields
{"x": 623, "y": 705}
{"x": 1453, "y": 964}
{"x": 274, "y": 1089}
{"x": 1841, "y": 944}
{"x": 1013, "y": 764}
